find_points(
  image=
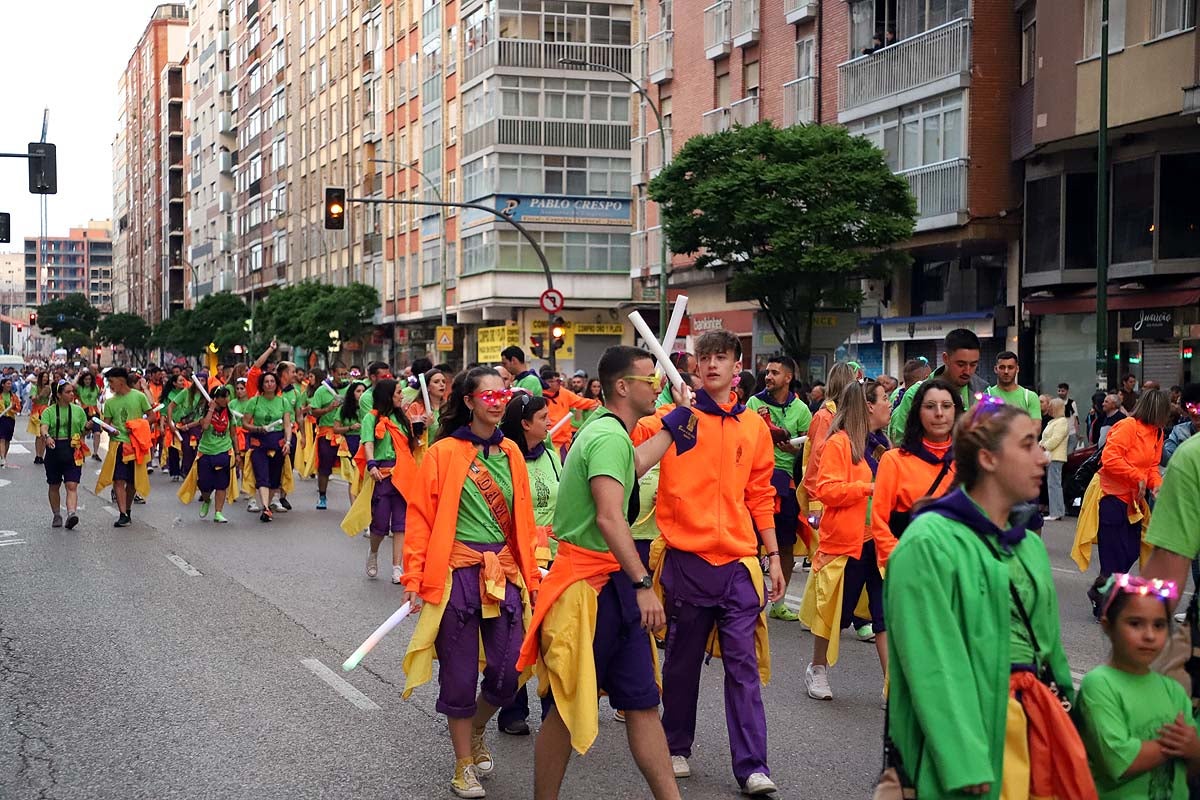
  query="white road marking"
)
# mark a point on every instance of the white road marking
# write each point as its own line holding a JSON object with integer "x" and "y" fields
{"x": 18, "y": 449}
{"x": 184, "y": 566}
{"x": 1066, "y": 571}
{"x": 357, "y": 698}
{"x": 791, "y": 598}
{"x": 12, "y": 542}
{"x": 4, "y": 483}
{"x": 112, "y": 511}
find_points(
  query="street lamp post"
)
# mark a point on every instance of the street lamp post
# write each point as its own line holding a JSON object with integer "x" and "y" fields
{"x": 1102, "y": 207}
{"x": 662, "y": 141}
{"x": 437, "y": 192}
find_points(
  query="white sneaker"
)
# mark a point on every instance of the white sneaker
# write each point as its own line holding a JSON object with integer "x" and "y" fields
{"x": 758, "y": 783}
{"x": 397, "y": 574}
{"x": 1181, "y": 617}
{"x": 817, "y": 682}
{"x": 275, "y": 506}
{"x": 680, "y": 766}
{"x": 253, "y": 507}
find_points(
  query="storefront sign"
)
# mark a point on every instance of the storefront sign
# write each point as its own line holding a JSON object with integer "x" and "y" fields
{"x": 492, "y": 340}
{"x": 1153, "y": 324}
{"x": 555, "y": 210}
{"x": 914, "y": 328}
{"x": 567, "y": 351}
{"x": 598, "y": 329}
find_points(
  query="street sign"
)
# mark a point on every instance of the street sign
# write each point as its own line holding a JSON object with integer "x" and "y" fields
{"x": 445, "y": 338}
{"x": 552, "y": 301}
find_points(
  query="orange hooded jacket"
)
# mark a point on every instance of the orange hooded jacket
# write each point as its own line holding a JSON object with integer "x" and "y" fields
{"x": 432, "y": 520}
{"x": 562, "y": 403}
{"x": 844, "y": 488}
{"x": 1131, "y": 456}
{"x": 818, "y": 434}
{"x": 901, "y": 481}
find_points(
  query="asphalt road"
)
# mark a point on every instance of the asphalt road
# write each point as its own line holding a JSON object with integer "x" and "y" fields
{"x": 180, "y": 659}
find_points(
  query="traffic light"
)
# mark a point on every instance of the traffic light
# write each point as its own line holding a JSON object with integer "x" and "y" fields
{"x": 335, "y": 208}
{"x": 538, "y": 345}
{"x": 5, "y": 226}
{"x": 43, "y": 168}
{"x": 558, "y": 330}
{"x": 20, "y": 327}
{"x": 33, "y": 318}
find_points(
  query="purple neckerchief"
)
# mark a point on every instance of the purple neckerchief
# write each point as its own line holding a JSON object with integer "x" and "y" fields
{"x": 875, "y": 441}
{"x": 702, "y": 402}
{"x": 959, "y": 507}
{"x": 535, "y": 452}
{"x": 467, "y": 435}
{"x": 765, "y": 396}
{"x": 683, "y": 425}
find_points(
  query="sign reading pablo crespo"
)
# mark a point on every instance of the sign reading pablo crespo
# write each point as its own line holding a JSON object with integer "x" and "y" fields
{"x": 559, "y": 209}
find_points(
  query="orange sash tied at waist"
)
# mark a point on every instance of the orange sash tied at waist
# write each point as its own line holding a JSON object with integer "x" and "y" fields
{"x": 496, "y": 570}
{"x": 1058, "y": 765}
{"x": 401, "y": 478}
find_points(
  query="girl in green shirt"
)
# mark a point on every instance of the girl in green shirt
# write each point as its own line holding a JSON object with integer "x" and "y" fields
{"x": 62, "y": 431}
{"x": 216, "y": 454}
{"x": 268, "y": 423}
{"x": 10, "y": 406}
{"x": 89, "y": 398}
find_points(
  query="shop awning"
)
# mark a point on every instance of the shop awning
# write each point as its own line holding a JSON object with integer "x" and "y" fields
{"x": 1186, "y": 293}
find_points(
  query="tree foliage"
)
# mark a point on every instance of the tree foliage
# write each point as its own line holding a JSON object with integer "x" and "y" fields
{"x": 72, "y": 320}
{"x": 303, "y": 314}
{"x": 128, "y": 330}
{"x": 218, "y": 318}
{"x": 799, "y": 215}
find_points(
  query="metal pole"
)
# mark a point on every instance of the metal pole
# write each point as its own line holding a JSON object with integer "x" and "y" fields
{"x": 1102, "y": 209}
{"x": 437, "y": 192}
{"x": 663, "y": 261}
{"x": 537, "y": 248}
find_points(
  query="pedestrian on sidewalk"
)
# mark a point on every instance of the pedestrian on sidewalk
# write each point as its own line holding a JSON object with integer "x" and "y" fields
{"x": 63, "y": 426}
{"x": 10, "y": 407}
{"x": 1054, "y": 442}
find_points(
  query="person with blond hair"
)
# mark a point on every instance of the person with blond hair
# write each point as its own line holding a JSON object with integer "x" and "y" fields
{"x": 1054, "y": 442}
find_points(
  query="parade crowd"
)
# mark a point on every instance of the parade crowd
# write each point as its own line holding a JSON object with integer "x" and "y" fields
{"x": 555, "y": 533}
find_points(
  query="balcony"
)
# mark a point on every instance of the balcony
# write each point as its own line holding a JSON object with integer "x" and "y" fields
{"x": 797, "y": 11}
{"x": 717, "y": 26}
{"x": 225, "y": 162}
{"x": 715, "y": 121}
{"x": 662, "y": 56}
{"x": 224, "y": 83}
{"x": 637, "y": 164}
{"x": 941, "y": 193}
{"x": 225, "y": 242}
{"x": 645, "y": 252}
{"x": 1191, "y": 100}
{"x": 798, "y": 106}
{"x": 654, "y": 151}
{"x": 223, "y": 41}
{"x": 745, "y": 111}
{"x": 547, "y": 133}
{"x": 225, "y": 202}
{"x": 639, "y": 68}
{"x": 745, "y": 27}
{"x": 225, "y": 123}
{"x": 920, "y": 67}
{"x": 526, "y": 54}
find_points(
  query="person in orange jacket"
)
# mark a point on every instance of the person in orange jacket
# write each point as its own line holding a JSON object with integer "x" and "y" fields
{"x": 841, "y": 375}
{"x": 921, "y": 468}
{"x": 563, "y": 402}
{"x": 469, "y": 567}
{"x": 1128, "y": 472}
{"x": 845, "y": 562}
{"x": 715, "y": 503}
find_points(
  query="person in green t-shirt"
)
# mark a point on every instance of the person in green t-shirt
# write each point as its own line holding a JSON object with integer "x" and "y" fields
{"x": 1137, "y": 724}
{"x": 183, "y": 412}
{"x": 1175, "y": 524}
{"x": 1009, "y": 390}
{"x": 88, "y": 395}
{"x": 268, "y": 424}
{"x": 216, "y": 454}
{"x": 62, "y": 431}
{"x": 126, "y": 404}
{"x": 960, "y": 363}
{"x": 325, "y": 403}
{"x": 388, "y": 506}
{"x": 296, "y": 403}
{"x": 513, "y": 359}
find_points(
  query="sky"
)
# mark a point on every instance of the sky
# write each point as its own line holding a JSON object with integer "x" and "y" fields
{"x": 66, "y": 56}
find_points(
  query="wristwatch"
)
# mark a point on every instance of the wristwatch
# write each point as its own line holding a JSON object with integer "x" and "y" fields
{"x": 645, "y": 583}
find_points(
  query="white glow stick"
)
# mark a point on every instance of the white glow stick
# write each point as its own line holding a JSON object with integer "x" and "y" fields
{"x": 236, "y": 414}
{"x": 271, "y": 425}
{"x": 676, "y": 320}
{"x": 657, "y": 351}
{"x": 425, "y": 393}
{"x": 105, "y": 425}
{"x": 203, "y": 391}
{"x": 395, "y": 619}
{"x": 158, "y": 408}
{"x": 559, "y": 425}
{"x": 799, "y": 440}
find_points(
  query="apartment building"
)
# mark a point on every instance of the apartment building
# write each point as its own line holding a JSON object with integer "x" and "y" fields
{"x": 1154, "y": 165}
{"x": 148, "y": 194}
{"x": 211, "y": 149}
{"x": 79, "y": 263}
{"x": 919, "y": 78}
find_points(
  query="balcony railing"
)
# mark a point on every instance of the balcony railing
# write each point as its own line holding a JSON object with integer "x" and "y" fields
{"x": 662, "y": 56}
{"x": 931, "y": 63}
{"x": 744, "y": 22}
{"x": 225, "y": 162}
{"x": 529, "y": 54}
{"x": 645, "y": 252}
{"x": 640, "y": 64}
{"x": 547, "y": 133}
{"x": 637, "y": 164}
{"x": 798, "y": 101}
{"x": 715, "y": 121}
{"x": 795, "y": 11}
{"x": 1191, "y": 100}
{"x": 941, "y": 192}
{"x": 745, "y": 111}
{"x": 717, "y": 30}
{"x": 654, "y": 151}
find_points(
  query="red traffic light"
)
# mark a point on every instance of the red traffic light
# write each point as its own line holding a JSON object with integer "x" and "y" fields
{"x": 538, "y": 345}
{"x": 335, "y": 208}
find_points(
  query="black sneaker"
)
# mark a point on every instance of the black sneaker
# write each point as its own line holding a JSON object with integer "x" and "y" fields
{"x": 283, "y": 501}
{"x": 141, "y": 501}
{"x": 265, "y": 516}
{"x": 38, "y": 460}
{"x": 123, "y": 521}
{"x": 72, "y": 521}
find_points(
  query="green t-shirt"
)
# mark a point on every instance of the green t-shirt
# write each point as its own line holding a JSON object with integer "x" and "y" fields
{"x": 645, "y": 527}
{"x": 476, "y": 523}
{"x": 544, "y": 474}
{"x": 88, "y": 396}
{"x": 120, "y": 408}
{"x": 603, "y": 447}
{"x": 365, "y": 404}
{"x": 1118, "y": 711}
{"x": 1020, "y": 646}
{"x": 10, "y": 403}
{"x": 64, "y": 423}
{"x": 384, "y": 451}
{"x": 322, "y": 397}
{"x": 793, "y": 418}
{"x": 409, "y": 394}
{"x": 1175, "y": 524}
{"x": 185, "y": 403}
{"x": 1020, "y": 397}
{"x": 213, "y": 443}
{"x": 530, "y": 383}
{"x": 264, "y": 411}
{"x": 295, "y": 399}
{"x": 239, "y": 406}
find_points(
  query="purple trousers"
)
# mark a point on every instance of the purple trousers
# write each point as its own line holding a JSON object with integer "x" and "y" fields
{"x": 212, "y": 472}
{"x": 457, "y": 645}
{"x": 268, "y": 470}
{"x": 698, "y": 597}
{"x": 7, "y": 426}
{"x": 1120, "y": 541}
{"x": 388, "y": 507}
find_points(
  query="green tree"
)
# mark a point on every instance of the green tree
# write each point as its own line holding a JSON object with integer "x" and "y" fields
{"x": 179, "y": 335}
{"x": 72, "y": 320}
{"x": 129, "y": 330}
{"x": 303, "y": 314}
{"x": 220, "y": 318}
{"x": 798, "y": 215}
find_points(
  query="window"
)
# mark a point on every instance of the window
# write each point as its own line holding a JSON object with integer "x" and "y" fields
{"x": 1179, "y": 207}
{"x": 451, "y": 58}
{"x": 1043, "y": 221}
{"x": 478, "y": 178}
{"x": 917, "y": 16}
{"x": 452, "y": 120}
{"x": 665, "y": 15}
{"x": 722, "y": 90}
{"x": 597, "y": 23}
{"x": 1079, "y": 221}
{"x": 1171, "y": 16}
{"x": 431, "y": 262}
{"x": 451, "y": 191}
{"x": 920, "y": 135}
{"x": 477, "y": 29}
{"x": 1092, "y": 12}
{"x": 279, "y": 153}
{"x": 805, "y": 62}
{"x": 1028, "y": 45}
{"x": 750, "y": 79}
{"x": 1133, "y": 211}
